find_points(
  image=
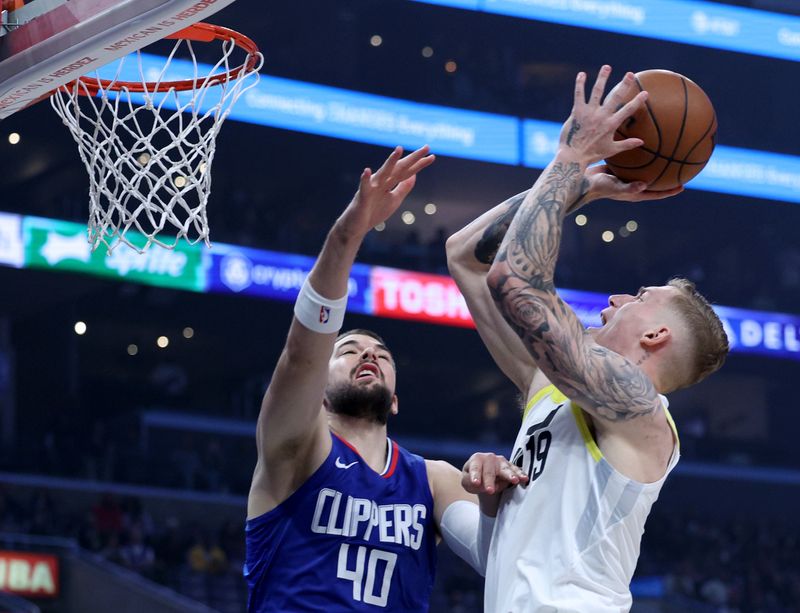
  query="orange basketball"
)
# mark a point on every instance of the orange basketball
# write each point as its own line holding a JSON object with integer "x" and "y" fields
{"x": 678, "y": 126}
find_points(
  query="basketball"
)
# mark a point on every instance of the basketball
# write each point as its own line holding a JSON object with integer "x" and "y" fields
{"x": 678, "y": 126}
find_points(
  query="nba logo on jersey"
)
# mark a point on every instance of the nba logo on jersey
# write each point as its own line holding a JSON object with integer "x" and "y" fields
{"x": 324, "y": 314}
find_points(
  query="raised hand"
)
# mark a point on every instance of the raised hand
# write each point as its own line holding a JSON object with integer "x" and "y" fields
{"x": 589, "y": 131}
{"x": 381, "y": 193}
{"x": 487, "y": 473}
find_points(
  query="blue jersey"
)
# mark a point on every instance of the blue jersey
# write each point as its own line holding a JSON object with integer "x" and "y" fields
{"x": 349, "y": 539}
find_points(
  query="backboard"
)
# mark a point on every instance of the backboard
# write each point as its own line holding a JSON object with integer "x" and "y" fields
{"x": 47, "y": 43}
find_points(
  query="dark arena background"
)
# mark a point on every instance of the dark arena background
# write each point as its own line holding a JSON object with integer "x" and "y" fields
{"x": 130, "y": 385}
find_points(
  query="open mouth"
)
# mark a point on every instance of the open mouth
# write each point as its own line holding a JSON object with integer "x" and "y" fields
{"x": 367, "y": 370}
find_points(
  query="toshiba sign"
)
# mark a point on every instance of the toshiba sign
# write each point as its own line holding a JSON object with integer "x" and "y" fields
{"x": 413, "y": 295}
{"x": 29, "y": 574}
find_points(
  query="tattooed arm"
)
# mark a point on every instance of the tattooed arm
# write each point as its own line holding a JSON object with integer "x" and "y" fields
{"x": 605, "y": 383}
{"x": 470, "y": 252}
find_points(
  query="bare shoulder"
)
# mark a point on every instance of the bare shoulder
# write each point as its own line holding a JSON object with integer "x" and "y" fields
{"x": 279, "y": 474}
{"x": 640, "y": 449}
{"x": 444, "y": 480}
{"x": 440, "y": 471}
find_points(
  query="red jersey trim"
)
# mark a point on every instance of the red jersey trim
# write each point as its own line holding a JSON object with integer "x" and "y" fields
{"x": 347, "y": 443}
{"x": 395, "y": 455}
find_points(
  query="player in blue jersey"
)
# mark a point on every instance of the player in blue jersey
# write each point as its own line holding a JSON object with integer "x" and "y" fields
{"x": 340, "y": 518}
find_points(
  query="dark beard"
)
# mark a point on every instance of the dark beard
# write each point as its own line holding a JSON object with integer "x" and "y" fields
{"x": 373, "y": 402}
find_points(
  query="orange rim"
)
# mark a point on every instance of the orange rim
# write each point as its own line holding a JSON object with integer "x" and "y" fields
{"x": 199, "y": 32}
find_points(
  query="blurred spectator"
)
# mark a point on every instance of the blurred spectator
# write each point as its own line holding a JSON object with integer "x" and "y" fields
{"x": 206, "y": 556}
{"x": 137, "y": 554}
{"x": 107, "y": 517}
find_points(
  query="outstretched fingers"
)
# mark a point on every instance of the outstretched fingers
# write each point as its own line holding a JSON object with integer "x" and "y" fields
{"x": 628, "y": 109}
{"x": 366, "y": 175}
{"x": 397, "y": 169}
{"x": 619, "y": 118}
{"x": 600, "y": 85}
{"x": 413, "y": 163}
{"x": 580, "y": 90}
{"x": 385, "y": 172}
{"x": 623, "y": 91}
{"x": 404, "y": 188}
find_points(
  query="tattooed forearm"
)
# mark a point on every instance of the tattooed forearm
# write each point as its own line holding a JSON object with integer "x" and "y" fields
{"x": 532, "y": 250}
{"x": 604, "y": 382}
{"x": 581, "y": 199}
{"x": 522, "y": 285}
{"x": 489, "y": 243}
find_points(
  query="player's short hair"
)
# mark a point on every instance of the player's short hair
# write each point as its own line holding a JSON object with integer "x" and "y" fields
{"x": 371, "y": 334}
{"x": 709, "y": 342}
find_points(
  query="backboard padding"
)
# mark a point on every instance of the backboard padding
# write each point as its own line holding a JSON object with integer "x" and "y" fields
{"x": 80, "y": 36}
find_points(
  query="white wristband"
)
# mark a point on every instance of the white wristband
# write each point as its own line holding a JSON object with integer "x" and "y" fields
{"x": 319, "y": 314}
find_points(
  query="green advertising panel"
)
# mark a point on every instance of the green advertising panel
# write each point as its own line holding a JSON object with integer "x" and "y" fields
{"x": 62, "y": 245}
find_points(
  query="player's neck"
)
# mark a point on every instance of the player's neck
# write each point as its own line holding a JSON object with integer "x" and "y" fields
{"x": 368, "y": 437}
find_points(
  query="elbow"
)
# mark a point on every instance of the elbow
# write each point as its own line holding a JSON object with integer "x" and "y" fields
{"x": 456, "y": 255}
{"x": 497, "y": 275}
{"x": 454, "y": 247}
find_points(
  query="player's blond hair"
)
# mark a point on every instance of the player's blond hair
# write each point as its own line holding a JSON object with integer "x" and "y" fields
{"x": 709, "y": 343}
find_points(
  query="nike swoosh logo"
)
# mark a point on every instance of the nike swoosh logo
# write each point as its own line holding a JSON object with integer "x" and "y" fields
{"x": 340, "y": 464}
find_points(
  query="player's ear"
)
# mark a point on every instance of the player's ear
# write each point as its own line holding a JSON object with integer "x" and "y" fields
{"x": 655, "y": 337}
{"x": 394, "y": 410}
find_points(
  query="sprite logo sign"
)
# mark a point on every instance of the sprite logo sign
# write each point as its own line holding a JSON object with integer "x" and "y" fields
{"x": 62, "y": 245}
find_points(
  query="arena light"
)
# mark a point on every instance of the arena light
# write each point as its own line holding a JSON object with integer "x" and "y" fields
{"x": 14, "y": 138}
{"x": 430, "y": 209}
{"x": 427, "y": 52}
{"x": 380, "y": 227}
{"x": 376, "y": 40}
{"x": 607, "y": 236}
{"x": 188, "y": 332}
{"x": 133, "y": 349}
{"x": 408, "y": 217}
{"x": 80, "y": 328}
{"x": 162, "y": 342}
{"x": 581, "y": 219}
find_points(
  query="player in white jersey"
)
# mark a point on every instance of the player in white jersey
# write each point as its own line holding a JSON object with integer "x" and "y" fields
{"x": 596, "y": 440}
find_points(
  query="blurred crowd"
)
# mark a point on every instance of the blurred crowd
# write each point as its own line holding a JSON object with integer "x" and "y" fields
{"x": 740, "y": 565}
{"x": 201, "y": 561}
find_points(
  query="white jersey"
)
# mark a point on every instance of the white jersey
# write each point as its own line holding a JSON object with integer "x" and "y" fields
{"x": 568, "y": 541}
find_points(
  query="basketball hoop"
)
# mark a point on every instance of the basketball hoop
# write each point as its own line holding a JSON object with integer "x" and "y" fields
{"x": 149, "y": 165}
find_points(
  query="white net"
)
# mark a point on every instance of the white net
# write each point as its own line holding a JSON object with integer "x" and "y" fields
{"x": 149, "y": 154}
